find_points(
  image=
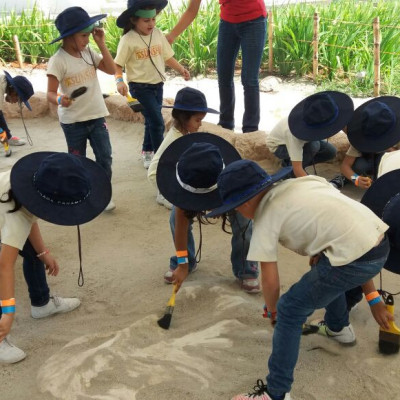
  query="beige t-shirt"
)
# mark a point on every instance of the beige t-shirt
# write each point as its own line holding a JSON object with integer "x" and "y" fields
{"x": 132, "y": 54}
{"x": 389, "y": 162}
{"x": 15, "y": 227}
{"x": 309, "y": 216}
{"x": 170, "y": 137}
{"x": 281, "y": 135}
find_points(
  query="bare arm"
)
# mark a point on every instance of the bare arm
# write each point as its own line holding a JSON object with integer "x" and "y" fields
{"x": 107, "y": 63}
{"x": 121, "y": 86}
{"x": 298, "y": 169}
{"x": 172, "y": 63}
{"x": 346, "y": 168}
{"x": 186, "y": 19}
{"x": 270, "y": 284}
{"x": 52, "y": 92}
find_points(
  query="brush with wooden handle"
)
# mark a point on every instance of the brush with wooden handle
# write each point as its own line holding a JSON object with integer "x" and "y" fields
{"x": 165, "y": 321}
{"x": 389, "y": 339}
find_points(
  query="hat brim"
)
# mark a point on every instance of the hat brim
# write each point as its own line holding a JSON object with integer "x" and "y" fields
{"x": 123, "y": 19}
{"x": 282, "y": 173}
{"x": 194, "y": 109}
{"x": 365, "y": 144}
{"x": 169, "y": 186}
{"x": 11, "y": 81}
{"x": 79, "y": 28}
{"x": 302, "y": 131}
{"x": 77, "y": 214}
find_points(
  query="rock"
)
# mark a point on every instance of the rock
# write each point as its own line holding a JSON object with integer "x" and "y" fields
{"x": 270, "y": 84}
{"x": 39, "y": 105}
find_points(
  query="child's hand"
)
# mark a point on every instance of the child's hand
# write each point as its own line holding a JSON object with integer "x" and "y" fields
{"x": 382, "y": 315}
{"x": 363, "y": 182}
{"x": 98, "y": 35}
{"x": 65, "y": 101}
{"x": 51, "y": 265}
{"x": 122, "y": 88}
{"x": 186, "y": 74}
{"x": 180, "y": 274}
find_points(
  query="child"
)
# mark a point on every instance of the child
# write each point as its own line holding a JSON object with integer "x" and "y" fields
{"x": 298, "y": 140}
{"x": 15, "y": 89}
{"x": 297, "y": 213}
{"x": 144, "y": 51}
{"x": 374, "y": 129}
{"x": 194, "y": 193}
{"x": 74, "y": 66}
{"x": 188, "y": 111}
{"x": 60, "y": 188}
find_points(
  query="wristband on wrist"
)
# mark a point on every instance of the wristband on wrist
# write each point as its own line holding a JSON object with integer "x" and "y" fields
{"x": 118, "y": 80}
{"x": 269, "y": 314}
{"x": 44, "y": 252}
{"x": 182, "y": 256}
{"x": 59, "y": 99}
{"x": 354, "y": 179}
{"x": 374, "y": 301}
{"x": 8, "y": 306}
{"x": 373, "y": 298}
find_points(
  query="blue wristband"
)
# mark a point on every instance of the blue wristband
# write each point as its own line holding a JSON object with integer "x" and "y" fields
{"x": 374, "y": 301}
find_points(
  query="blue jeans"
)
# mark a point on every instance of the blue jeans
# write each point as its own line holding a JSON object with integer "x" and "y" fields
{"x": 323, "y": 286}
{"x": 367, "y": 165}
{"x": 150, "y": 97}
{"x": 250, "y": 37}
{"x": 314, "y": 152}
{"x": 94, "y": 130}
{"x": 240, "y": 242}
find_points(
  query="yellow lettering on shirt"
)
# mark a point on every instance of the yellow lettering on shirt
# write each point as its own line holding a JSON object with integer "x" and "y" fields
{"x": 143, "y": 54}
{"x": 81, "y": 78}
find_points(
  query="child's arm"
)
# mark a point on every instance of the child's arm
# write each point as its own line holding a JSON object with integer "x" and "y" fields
{"x": 172, "y": 63}
{"x": 121, "y": 85}
{"x": 186, "y": 19}
{"x": 52, "y": 93}
{"x": 270, "y": 285}
{"x": 346, "y": 168}
{"x": 298, "y": 169}
{"x": 107, "y": 63}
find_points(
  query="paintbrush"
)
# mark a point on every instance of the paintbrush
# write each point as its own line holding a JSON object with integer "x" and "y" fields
{"x": 165, "y": 321}
{"x": 389, "y": 339}
{"x": 134, "y": 104}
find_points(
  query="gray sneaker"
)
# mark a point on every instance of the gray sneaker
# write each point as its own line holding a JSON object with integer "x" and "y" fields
{"x": 10, "y": 354}
{"x": 346, "y": 336}
{"x": 56, "y": 305}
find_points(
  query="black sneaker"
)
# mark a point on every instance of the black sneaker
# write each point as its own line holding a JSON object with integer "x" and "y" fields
{"x": 338, "y": 181}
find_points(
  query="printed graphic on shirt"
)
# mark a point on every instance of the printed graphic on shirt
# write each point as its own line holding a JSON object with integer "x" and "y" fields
{"x": 79, "y": 78}
{"x": 143, "y": 54}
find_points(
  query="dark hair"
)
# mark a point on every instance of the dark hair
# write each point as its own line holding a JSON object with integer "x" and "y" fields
{"x": 10, "y": 198}
{"x": 131, "y": 25}
{"x": 181, "y": 117}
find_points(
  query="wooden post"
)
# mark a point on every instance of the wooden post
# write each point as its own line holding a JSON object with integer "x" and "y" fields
{"x": 377, "y": 57}
{"x": 270, "y": 41}
{"x": 315, "y": 45}
{"x": 18, "y": 51}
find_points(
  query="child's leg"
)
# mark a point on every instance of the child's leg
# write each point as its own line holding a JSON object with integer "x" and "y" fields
{"x": 76, "y": 135}
{"x": 282, "y": 153}
{"x": 4, "y": 126}
{"x": 99, "y": 139}
{"x": 318, "y": 151}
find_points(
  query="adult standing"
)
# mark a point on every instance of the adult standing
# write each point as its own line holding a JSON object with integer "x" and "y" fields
{"x": 243, "y": 26}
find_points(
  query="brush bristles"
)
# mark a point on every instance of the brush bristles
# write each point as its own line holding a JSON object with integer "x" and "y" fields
{"x": 165, "y": 321}
{"x": 389, "y": 343}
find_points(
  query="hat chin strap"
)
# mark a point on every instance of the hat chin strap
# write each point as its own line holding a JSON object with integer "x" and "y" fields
{"x": 192, "y": 189}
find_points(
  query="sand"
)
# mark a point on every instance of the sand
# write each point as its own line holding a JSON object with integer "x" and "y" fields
{"x": 111, "y": 347}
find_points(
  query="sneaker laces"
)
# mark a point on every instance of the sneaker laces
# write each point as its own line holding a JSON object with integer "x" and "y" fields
{"x": 259, "y": 389}
{"x": 56, "y": 300}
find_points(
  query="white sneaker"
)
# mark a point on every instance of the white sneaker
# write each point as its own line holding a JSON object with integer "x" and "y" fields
{"x": 110, "y": 206}
{"x": 16, "y": 141}
{"x": 249, "y": 285}
{"x": 162, "y": 201}
{"x": 54, "y": 306}
{"x": 346, "y": 336}
{"x": 9, "y": 353}
{"x": 147, "y": 156}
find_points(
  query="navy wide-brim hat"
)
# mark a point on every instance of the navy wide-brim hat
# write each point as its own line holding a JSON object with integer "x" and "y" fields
{"x": 134, "y": 5}
{"x": 218, "y": 154}
{"x": 321, "y": 115}
{"x": 73, "y": 20}
{"x": 241, "y": 181}
{"x": 375, "y": 125}
{"x": 22, "y": 86}
{"x": 61, "y": 188}
{"x": 383, "y": 198}
{"x": 190, "y": 99}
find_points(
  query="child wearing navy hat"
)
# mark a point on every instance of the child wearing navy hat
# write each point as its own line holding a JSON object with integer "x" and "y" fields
{"x": 14, "y": 89}
{"x": 143, "y": 52}
{"x": 60, "y": 188}
{"x": 74, "y": 66}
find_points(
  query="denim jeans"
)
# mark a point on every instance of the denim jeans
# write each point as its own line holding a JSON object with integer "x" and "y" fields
{"x": 240, "y": 242}
{"x": 150, "y": 97}
{"x": 35, "y": 276}
{"x": 314, "y": 152}
{"x": 323, "y": 286}
{"x": 367, "y": 165}
{"x": 94, "y": 130}
{"x": 250, "y": 37}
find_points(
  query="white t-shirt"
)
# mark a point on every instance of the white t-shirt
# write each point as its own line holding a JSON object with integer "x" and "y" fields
{"x": 281, "y": 135}
{"x": 15, "y": 227}
{"x": 389, "y": 162}
{"x": 72, "y": 73}
{"x": 132, "y": 54}
{"x": 3, "y": 87}
{"x": 309, "y": 216}
{"x": 170, "y": 137}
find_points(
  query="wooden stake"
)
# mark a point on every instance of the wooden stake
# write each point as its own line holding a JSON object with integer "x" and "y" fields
{"x": 315, "y": 45}
{"x": 18, "y": 51}
{"x": 377, "y": 57}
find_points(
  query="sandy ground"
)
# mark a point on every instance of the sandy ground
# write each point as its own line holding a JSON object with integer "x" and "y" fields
{"x": 111, "y": 348}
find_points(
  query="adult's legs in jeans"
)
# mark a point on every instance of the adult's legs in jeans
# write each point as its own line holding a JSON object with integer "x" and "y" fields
{"x": 240, "y": 242}
{"x": 318, "y": 288}
{"x": 99, "y": 139}
{"x": 150, "y": 96}
{"x": 252, "y": 39}
{"x": 173, "y": 263}
{"x": 227, "y": 51}
{"x": 35, "y": 276}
